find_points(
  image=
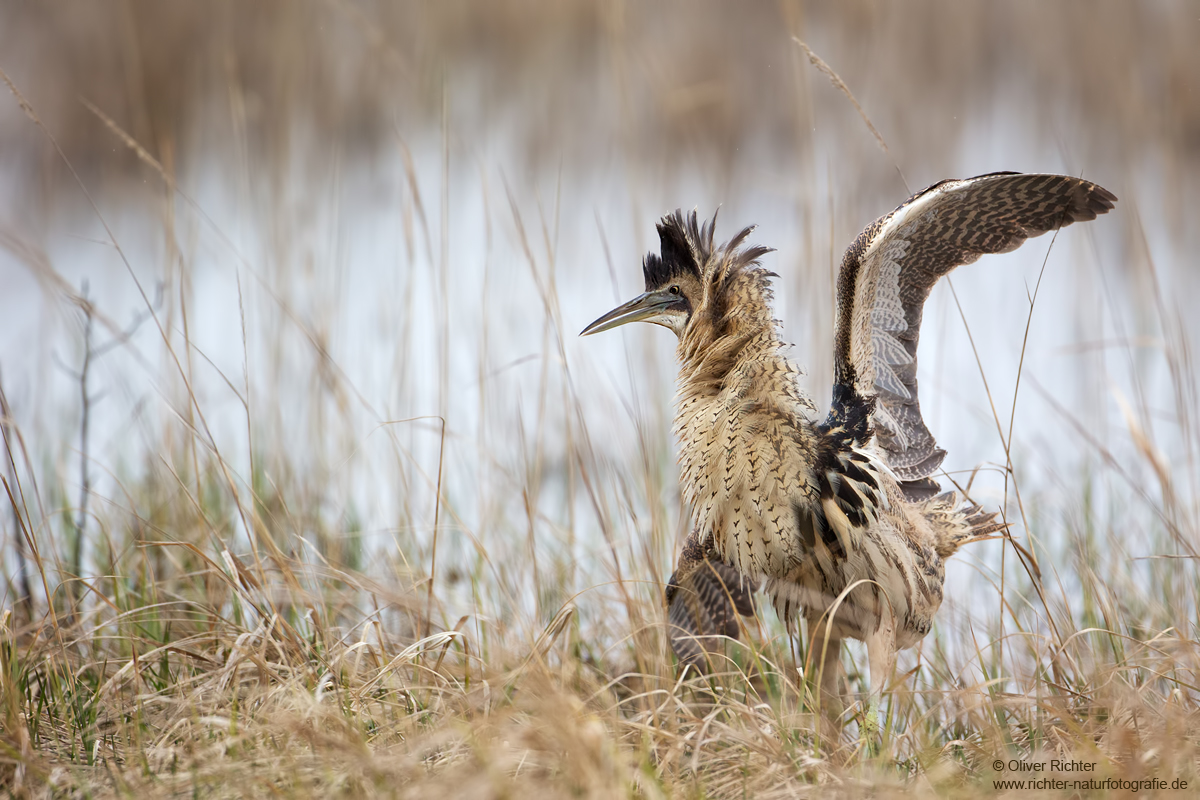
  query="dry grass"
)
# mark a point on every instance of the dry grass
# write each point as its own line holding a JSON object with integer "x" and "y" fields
{"x": 223, "y": 676}
{"x": 398, "y": 535}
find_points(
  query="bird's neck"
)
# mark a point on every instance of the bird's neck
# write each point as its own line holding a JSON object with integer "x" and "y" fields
{"x": 735, "y": 383}
{"x": 733, "y": 328}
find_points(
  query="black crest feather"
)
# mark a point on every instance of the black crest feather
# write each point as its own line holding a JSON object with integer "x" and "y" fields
{"x": 686, "y": 245}
{"x": 683, "y": 247}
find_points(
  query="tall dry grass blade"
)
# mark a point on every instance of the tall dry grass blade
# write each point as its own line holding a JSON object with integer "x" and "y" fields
{"x": 841, "y": 86}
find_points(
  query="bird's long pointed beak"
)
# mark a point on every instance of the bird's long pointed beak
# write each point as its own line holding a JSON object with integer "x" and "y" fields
{"x": 644, "y": 306}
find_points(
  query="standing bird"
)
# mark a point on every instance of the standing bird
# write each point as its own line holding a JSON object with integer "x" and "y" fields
{"x": 839, "y": 520}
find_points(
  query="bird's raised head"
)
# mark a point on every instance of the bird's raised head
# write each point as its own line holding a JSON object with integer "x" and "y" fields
{"x": 680, "y": 277}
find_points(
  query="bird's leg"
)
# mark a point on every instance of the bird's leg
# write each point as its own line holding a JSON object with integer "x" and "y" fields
{"x": 825, "y": 654}
{"x": 881, "y": 653}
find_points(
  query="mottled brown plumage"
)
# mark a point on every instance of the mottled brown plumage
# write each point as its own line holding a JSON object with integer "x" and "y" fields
{"x": 839, "y": 520}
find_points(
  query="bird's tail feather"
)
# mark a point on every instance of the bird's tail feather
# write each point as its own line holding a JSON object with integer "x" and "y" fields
{"x": 956, "y": 525}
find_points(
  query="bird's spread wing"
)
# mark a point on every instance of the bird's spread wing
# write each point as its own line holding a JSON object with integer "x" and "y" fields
{"x": 887, "y": 274}
{"x": 704, "y": 597}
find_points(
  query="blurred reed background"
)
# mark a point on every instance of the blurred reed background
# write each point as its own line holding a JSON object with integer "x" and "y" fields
{"x": 318, "y": 267}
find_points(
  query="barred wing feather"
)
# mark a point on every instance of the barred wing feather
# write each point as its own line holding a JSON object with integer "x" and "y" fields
{"x": 704, "y": 599}
{"x": 888, "y": 272}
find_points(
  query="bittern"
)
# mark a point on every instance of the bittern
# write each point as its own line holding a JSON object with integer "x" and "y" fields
{"x": 840, "y": 520}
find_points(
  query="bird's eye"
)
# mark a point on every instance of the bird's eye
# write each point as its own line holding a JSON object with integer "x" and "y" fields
{"x": 674, "y": 290}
